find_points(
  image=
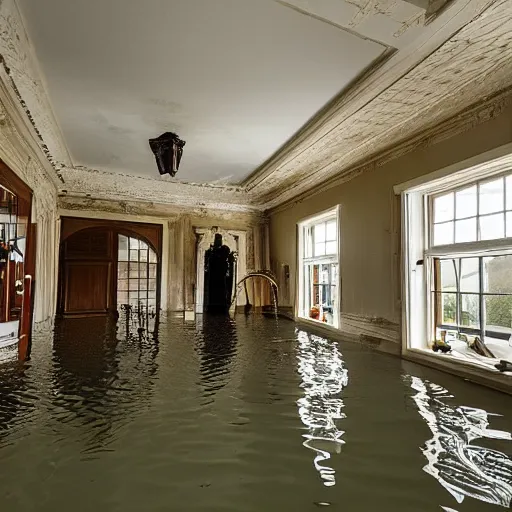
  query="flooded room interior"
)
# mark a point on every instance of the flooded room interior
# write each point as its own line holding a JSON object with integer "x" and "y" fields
{"x": 256, "y": 255}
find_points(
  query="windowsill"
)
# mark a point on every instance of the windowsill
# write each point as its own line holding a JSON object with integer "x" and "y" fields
{"x": 475, "y": 370}
{"x": 317, "y": 323}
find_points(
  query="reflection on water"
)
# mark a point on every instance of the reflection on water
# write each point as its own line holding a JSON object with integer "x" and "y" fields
{"x": 323, "y": 379}
{"x": 97, "y": 383}
{"x": 217, "y": 415}
{"x": 216, "y": 344}
{"x": 462, "y": 468}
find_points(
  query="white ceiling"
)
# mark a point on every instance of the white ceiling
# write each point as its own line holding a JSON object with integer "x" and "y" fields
{"x": 234, "y": 78}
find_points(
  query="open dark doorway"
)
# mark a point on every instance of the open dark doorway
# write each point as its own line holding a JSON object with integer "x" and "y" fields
{"x": 219, "y": 277}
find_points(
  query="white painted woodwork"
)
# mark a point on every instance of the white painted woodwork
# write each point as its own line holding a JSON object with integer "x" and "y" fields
{"x": 236, "y": 241}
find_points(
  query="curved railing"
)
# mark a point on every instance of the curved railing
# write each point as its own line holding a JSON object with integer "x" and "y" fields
{"x": 265, "y": 274}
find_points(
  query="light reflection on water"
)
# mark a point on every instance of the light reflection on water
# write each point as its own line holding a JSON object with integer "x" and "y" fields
{"x": 323, "y": 379}
{"x": 462, "y": 468}
{"x": 243, "y": 414}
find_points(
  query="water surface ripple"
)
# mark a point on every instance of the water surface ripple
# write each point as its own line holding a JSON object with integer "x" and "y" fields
{"x": 245, "y": 414}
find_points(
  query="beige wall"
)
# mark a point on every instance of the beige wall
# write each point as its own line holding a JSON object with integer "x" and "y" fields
{"x": 369, "y": 226}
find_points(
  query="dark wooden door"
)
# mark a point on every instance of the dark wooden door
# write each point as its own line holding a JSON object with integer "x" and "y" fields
{"x": 87, "y": 273}
{"x": 88, "y": 288}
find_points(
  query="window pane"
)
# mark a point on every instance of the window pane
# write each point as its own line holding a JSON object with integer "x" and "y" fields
{"x": 470, "y": 311}
{"x": 122, "y": 284}
{"x": 122, "y": 298}
{"x": 470, "y": 275}
{"x": 447, "y": 280}
{"x": 134, "y": 285}
{"x": 324, "y": 273}
{"x": 134, "y": 255}
{"x": 509, "y": 192}
{"x": 491, "y": 196}
{"x": 509, "y": 224}
{"x": 320, "y": 232}
{"x": 151, "y": 284}
{"x": 331, "y": 247}
{"x": 331, "y": 230}
{"x": 492, "y": 227}
{"x": 123, "y": 248}
{"x": 498, "y": 313}
{"x": 143, "y": 255}
{"x": 443, "y": 208}
{"x": 152, "y": 270}
{"x": 448, "y": 308}
{"x": 465, "y": 230}
{"x": 122, "y": 270}
{"x": 152, "y": 256}
{"x": 134, "y": 243}
{"x": 320, "y": 249}
{"x": 498, "y": 274}
{"x": 443, "y": 233}
{"x": 465, "y": 202}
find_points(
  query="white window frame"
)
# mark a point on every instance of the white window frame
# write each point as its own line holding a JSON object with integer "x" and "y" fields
{"x": 417, "y": 313}
{"x": 332, "y": 213}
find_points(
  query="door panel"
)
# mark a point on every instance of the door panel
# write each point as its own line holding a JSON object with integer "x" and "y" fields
{"x": 87, "y": 287}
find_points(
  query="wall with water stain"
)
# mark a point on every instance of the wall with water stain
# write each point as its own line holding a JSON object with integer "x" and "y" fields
{"x": 181, "y": 239}
{"x": 370, "y": 225}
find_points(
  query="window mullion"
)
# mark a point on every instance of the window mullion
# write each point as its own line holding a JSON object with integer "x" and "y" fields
{"x": 481, "y": 297}
{"x": 478, "y": 234}
{"x": 454, "y": 215}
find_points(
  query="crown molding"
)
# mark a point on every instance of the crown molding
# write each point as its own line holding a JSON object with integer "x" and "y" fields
{"x": 27, "y": 83}
{"x": 85, "y": 182}
{"x": 475, "y": 63}
{"x": 463, "y": 55}
{"x": 473, "y": 116}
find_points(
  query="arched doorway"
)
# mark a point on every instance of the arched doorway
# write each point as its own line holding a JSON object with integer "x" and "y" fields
{"x": 106, "y": 268}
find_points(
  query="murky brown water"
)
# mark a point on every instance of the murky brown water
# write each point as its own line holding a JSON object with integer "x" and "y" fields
{"x": 247, "y": 416}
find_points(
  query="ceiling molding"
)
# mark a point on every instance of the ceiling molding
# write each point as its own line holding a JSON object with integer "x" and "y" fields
{"x": 475, "y": 63}
{"x": 465, "y": 54}
{"x": 476, "y": 115}
{"x": 83, "y": 182}
{"x": 27, "y": 82}
{"x": 350, "y": 102}
{"x": 91, "y": 207}
{"x": 305, "y": 12}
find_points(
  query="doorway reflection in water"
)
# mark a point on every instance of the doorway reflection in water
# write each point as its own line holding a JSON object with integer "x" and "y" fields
{"x": 462, "y": 468}
{"x": 323, "y": 379}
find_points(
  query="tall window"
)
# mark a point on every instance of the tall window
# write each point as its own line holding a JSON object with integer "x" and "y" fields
{"x": 459, "y": 262}
{"x": 473, "y": 293}
{"x": 319, "y": 268}
{"x": 137, "y": 279}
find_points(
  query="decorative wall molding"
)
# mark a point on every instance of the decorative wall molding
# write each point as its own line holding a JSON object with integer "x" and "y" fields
{"x": 399, "y": 99}
{"x": 20, "y": 151}
{"x": 235, "y": 240}
{"x": 20, "y": 63}
{"x": 462, "y": 56}
{"x": 121, "y": 187}
{"x": 477, "y": 114}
